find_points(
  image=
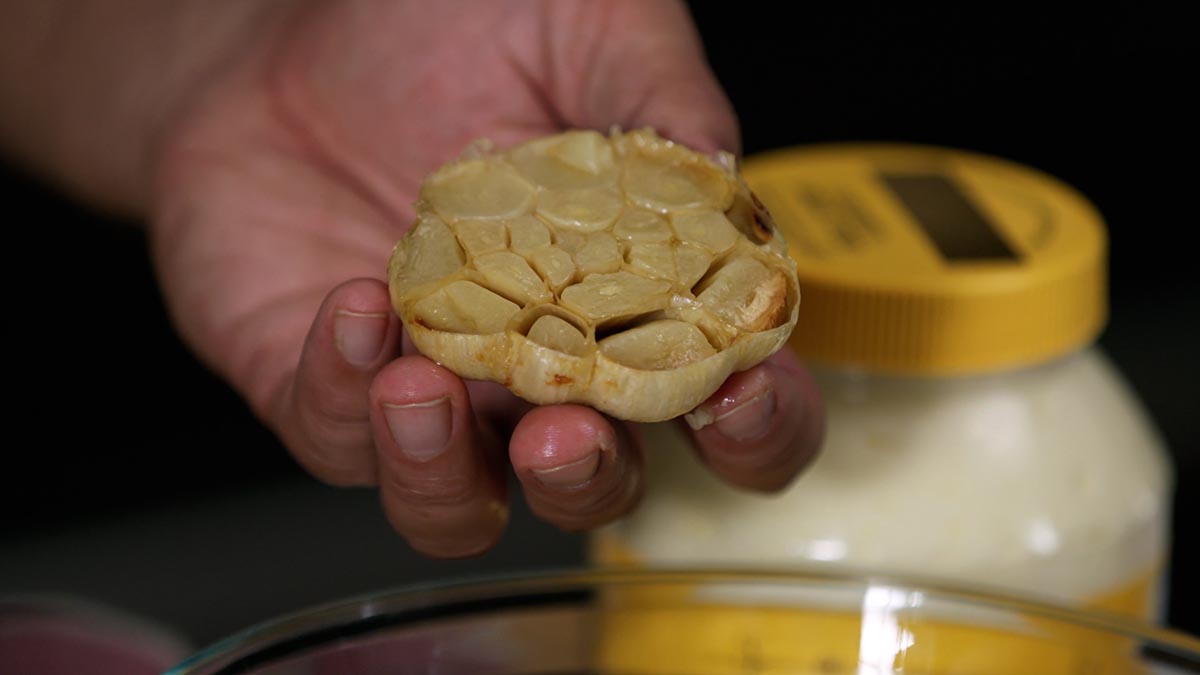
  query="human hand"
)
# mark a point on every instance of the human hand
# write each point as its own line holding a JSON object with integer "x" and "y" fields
{"x": 283, "y": 184}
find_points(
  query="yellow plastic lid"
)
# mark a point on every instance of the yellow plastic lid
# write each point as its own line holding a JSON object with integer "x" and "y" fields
{"x": 925, "y": 260}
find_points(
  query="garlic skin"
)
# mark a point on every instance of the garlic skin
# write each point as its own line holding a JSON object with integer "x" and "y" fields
{"x": 625, "y": 272}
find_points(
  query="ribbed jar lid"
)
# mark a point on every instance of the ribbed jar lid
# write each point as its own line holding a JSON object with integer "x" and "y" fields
{"x": 927, "y": 260}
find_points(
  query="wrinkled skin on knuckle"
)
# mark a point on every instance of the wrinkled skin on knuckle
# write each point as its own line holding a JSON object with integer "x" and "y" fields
{"x": 443, "y": 489}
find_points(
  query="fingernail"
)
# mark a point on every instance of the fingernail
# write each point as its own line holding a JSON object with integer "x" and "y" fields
{"x": 745, "y": 421}
{"x": 359, "y": 335}
{"x": 422, "y": 430}
{"x": 571, "y": 474}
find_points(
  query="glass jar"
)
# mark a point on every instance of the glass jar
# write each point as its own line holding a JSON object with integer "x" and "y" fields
{"x": 950, "y": 303}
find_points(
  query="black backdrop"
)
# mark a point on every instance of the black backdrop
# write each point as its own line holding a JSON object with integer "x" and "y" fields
{"x": 104, "y": 401}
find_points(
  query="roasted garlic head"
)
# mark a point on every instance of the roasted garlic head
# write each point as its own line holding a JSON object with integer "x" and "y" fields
{"x": 625, "y": 272}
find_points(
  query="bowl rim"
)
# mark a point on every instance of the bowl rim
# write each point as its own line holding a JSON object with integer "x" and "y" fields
{"x": 441, "y": 598}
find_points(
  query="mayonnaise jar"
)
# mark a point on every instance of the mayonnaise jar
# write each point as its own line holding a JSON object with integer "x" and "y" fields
{"x": 975, "y": 433}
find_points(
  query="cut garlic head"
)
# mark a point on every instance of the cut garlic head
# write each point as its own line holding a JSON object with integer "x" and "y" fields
{"x": 626, "y": 272}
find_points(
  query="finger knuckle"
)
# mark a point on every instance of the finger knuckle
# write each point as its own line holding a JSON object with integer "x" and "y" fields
{"x": 433, "y": 490}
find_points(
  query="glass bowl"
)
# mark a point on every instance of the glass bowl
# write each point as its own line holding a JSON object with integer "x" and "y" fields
{"x": 694, "y": 623}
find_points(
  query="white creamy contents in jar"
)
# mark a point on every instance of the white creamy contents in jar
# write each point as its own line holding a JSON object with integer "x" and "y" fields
{"x": 1043, "y": 481}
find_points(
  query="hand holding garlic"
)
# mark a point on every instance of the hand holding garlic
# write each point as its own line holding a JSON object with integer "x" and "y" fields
{"x": 277, "y": 153}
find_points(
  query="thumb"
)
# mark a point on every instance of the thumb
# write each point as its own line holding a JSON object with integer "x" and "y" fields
{"x": 651, "y": 71}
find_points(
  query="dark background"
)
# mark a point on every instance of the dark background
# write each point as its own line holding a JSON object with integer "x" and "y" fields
{"x": 136, "y": 478}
